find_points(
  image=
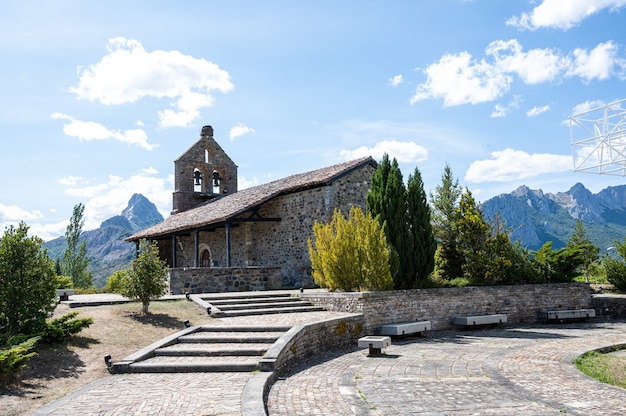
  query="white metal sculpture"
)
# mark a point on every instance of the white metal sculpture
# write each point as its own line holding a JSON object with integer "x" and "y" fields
{"x": 598, "y": 139}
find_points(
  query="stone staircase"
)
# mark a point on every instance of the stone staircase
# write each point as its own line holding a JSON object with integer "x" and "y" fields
{"x": 218, "y": 348}
{"x": 211, "y": 349}
{"x": 256, "y": 304}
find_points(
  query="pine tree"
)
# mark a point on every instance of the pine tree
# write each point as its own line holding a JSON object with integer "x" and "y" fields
{"x": 445, "y": 202}
{"x": 589, "y": 253}
{"x": 422, "y": 241}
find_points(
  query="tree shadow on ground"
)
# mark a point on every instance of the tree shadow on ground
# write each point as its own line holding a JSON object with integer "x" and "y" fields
{"x": 158, "y": 319}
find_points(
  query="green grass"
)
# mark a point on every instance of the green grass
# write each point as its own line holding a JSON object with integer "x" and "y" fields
{"x": 606, "y": 368}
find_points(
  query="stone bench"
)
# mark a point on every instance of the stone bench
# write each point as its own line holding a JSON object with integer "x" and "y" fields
{"x": 405, "y": 328}
{"x": 64, "y": 294}
{"x": 473, "y": 320}
{"x": 374, "y": 343}
{"x": 559, "y": 315}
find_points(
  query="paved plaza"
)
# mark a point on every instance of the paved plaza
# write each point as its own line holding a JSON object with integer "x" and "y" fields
{"x": 504, "y": 371}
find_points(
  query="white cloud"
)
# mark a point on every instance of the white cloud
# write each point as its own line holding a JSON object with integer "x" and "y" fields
{"x": 240, "y": 130}
{"x": 396, "y": 80}
{"x": 502, "y": 110}
{"x": 586, "y": 106}
{"x": 509, "y": 164}
{"x": 105, "y": 200}
{"x": 600, "y": 63}
{"x": 462, "y": 79}
{"x": 535, "y": 111}
{"x": 13, "y": 214}
{"x": 243, "y": 183}
{"x": 561, "y": 14}
{"x": 404, "y": 152}
{"x": 70, "y": 180}
{"x": 128, "y": 73}
{"x": 90, "y": 130}
{"x": 459, "y": 79}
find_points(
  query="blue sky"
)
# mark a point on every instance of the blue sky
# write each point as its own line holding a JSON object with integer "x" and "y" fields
{"x": 97, "y": 99}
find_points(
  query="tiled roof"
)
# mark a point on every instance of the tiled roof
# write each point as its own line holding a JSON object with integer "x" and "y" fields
{"x": 229, "y": 206}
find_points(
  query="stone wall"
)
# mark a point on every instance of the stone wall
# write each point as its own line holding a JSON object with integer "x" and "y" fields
{"x": 283, "y": 243}
{"x": 306, "y": 341}
{"x": 440, "y": 306}
{"x": 222, "y": 279}
{"x": 609, "y": 305}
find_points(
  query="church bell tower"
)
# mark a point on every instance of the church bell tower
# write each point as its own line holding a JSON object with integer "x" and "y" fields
{"x": 203, "y": 173}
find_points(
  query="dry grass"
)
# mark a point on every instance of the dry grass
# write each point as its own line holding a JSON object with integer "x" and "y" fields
{"x": 118, "y": 330}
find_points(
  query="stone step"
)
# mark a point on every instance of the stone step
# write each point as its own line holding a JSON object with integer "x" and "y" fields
{"x": 235, "y": 297}
{"x": 207, "y": 337}
{"x": 269, "y": 305}
{"x": 213, "y": 350}
{"x": 216, "y": 328}
{"x": 166, "y": 364}
{"x": 220, "y": 303}
{"x": 293, "y": 309}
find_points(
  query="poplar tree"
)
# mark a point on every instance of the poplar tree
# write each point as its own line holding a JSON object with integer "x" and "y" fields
{"x": 75, "y": 261}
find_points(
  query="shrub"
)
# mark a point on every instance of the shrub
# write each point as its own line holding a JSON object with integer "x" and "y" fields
{"x": 63, "y": 282}
{"x": 116, "y": 282}
{"x": 616, "y": 273}
{"x": 350, "y": 254}
{"x": 147, "y": 279}
{"x": 64, "y": 327}
{"x": 13, "y": 360}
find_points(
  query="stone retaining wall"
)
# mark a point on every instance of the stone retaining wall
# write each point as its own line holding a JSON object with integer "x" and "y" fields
{"x": 609, "y": 305}
{"x": 223, "y": 279}
{"x": 440, "y": 306}
{"x": 305, "y": 341}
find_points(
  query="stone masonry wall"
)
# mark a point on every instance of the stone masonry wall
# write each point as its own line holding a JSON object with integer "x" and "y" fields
{"x": 440, "y": 306}
{"x": 306, "y": 341}
{"x": 221, "y": 279}
{"x": 609, "y": 305}
{"x": 282, "y": 244}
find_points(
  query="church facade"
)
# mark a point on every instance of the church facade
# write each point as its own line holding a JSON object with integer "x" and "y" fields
{"x": 221, "y": 239}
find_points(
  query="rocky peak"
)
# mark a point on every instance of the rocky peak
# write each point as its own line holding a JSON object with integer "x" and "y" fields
{"x": 141, "y": 213}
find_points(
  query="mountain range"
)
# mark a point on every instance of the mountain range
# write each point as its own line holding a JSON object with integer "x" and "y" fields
{"x": 106, "y": 247}
{"x": 535, "y": 217}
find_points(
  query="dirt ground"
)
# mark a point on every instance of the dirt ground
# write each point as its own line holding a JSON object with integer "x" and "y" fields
{"x": 119, "y": 330}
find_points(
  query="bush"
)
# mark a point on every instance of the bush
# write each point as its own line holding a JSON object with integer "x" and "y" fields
{"x": 64, "y": 327}
{"x": 350, "y": 254}
{"x": 616, "y": 273}
{"x": 63, "y": 282}
{"x": 116, "y": 282}
{"x": 13, "y": 360}
{"x": 147, "y": 278}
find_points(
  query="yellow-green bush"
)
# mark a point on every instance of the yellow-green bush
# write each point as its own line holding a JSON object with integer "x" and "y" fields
{"x": 350, "y": 254}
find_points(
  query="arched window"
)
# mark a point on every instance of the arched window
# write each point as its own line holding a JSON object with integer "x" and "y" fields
{"x": 206, "y": 156}
{"x": 205, "y": 259}
{"x": 197, "y": 180}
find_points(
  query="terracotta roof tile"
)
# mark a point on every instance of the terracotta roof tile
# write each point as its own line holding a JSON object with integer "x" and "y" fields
{"x": 229, "y": 206}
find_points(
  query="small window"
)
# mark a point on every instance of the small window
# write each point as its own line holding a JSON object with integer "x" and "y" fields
{"x": 206, "y": 156}
{"x": 205, "y": 259}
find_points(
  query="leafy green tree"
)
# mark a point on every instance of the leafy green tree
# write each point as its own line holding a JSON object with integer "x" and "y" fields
{"x": 75, "y": 262}
{"x": 558, "y": 265}
{"x": 616, "y": 268}
{"x": 147, "y": 277}
{"x": 27, "y": 283}
{"x": 445, "y": 201}
{"x": 386, "y": 202}
{"x": 422, "y": 244}
{"x": 589, "y": 252}
{"x": 350, "y": 254}
{"x": 473, "y": 238}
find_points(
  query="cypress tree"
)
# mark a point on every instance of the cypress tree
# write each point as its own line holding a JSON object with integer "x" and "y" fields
{"x": 422, "y": 244}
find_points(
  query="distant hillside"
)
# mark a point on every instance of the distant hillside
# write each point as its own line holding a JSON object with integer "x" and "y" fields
{"x": 535, "y": 217}
{"x": 106, "y": 247}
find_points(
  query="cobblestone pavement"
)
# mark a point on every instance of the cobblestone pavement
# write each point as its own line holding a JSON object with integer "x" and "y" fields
{"x": 514, "y": 371}
{"x": 522, "y": 371}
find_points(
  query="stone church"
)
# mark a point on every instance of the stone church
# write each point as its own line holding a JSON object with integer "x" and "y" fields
{"x": 221, "y": 239}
